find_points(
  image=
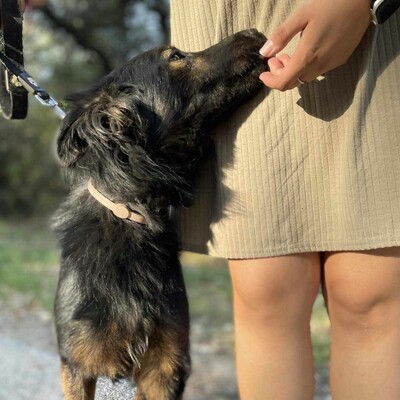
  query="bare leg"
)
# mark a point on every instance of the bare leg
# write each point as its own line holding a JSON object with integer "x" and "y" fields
{"x": 363, "y": 290}
{"x": 273, "y": 301}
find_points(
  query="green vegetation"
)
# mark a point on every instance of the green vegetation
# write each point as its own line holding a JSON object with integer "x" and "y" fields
{"x": 29, "y": 267}
{"x": 68, "y": 45}
{"x": 320, "y": 332}
{"x": 209, "y": 289}
{"x": 28, "y": 263}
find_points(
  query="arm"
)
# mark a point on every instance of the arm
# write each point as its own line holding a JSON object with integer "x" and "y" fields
{"x": 330, "y": 32}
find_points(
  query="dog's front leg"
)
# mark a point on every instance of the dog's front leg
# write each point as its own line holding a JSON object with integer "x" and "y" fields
{"x": 76, "y": 387}
{"x": 165, "y": 367}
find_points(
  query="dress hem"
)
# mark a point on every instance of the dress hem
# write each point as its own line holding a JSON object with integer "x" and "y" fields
{"x": 290, "y": 250}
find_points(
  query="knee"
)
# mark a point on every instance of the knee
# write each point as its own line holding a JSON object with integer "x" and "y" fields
{"x": 269, "y": 291}
{"x": 361, "y": 306}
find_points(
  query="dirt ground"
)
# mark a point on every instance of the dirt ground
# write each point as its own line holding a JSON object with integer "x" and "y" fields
{"x": 29, "y": 364}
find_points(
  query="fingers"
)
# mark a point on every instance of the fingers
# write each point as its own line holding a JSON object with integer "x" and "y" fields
{"x": 278, "y": 81}
{"x": 302, "y": 65}
{"x": 284, "y": 71}
{"x": 284, "y": 33}
{"x": 330, "y": 32}
{"x": 276, "y": 64}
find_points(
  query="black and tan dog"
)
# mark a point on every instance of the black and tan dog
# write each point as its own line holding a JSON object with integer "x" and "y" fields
{"x": 131, "y": 146}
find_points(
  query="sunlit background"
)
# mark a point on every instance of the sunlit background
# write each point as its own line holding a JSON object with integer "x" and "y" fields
{"x": 67, "y": 45}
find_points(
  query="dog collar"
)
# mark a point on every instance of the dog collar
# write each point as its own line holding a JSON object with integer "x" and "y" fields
{"x": 118, "y": 209}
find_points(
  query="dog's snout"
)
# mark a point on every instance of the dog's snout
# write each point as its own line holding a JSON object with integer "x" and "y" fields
{"x": 253, "y": 33}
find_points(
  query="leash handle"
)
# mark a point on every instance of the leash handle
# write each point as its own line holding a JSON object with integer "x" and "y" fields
{"x": 13, "y": 100}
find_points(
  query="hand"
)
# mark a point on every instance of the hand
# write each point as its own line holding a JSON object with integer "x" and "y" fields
{"x": 330, "y": 32}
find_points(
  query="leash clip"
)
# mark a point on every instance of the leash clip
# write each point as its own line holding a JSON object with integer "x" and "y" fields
{"x": 17, "y": 77}
{"x": 50, "y": 102}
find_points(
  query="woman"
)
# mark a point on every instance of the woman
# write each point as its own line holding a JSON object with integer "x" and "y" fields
{"x": 307, "y": 192}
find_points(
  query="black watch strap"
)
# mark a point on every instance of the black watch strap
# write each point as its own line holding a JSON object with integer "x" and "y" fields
{"x": 383, "y": 9}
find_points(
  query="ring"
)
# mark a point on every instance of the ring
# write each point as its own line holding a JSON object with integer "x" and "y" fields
{"x": 300, "y": 81}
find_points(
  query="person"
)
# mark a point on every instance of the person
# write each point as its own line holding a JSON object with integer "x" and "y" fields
{"x": 304, "y": 191}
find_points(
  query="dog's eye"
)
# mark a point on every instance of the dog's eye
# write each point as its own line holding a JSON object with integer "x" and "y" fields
{"x": 176, "y": 56}
{"x": 105, "y": 122}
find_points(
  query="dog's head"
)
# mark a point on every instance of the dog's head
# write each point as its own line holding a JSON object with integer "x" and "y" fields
{"x": 146, "y": 121}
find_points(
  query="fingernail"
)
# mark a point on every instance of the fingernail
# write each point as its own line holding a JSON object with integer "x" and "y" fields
{"x": 266, "y": 50}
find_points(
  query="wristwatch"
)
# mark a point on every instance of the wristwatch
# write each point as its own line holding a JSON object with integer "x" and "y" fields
{"x": 381, "y": 10}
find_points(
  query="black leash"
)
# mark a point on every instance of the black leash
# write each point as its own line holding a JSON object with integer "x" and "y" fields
{"x": 20, "y": 78}
{"x": 13, "y": 100}
{"x": 15, "y": 82}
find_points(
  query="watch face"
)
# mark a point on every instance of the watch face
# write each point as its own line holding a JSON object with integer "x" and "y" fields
{"x": 386, "y": 9}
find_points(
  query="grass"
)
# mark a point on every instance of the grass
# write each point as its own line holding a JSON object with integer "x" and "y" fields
{"x": 28, "y": 262}
{"x": 29, "y": 267}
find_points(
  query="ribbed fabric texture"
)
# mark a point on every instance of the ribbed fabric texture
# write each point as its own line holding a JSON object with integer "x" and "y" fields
{"x": 312, "y": 169}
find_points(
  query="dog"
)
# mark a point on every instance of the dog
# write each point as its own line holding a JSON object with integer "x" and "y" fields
{"x": 131, "y": 146}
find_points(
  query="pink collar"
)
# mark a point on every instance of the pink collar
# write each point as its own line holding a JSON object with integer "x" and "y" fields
{"x": 118, "y": 209}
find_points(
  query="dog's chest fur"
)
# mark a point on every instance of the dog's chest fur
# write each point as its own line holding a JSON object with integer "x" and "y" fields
{"x": 131, "y": 282}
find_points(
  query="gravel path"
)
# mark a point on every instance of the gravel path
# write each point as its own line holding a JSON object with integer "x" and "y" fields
{"x": 29, "y": 364}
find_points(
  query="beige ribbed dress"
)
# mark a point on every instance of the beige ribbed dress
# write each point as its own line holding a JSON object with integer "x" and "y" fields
{"x": 312, "y": 169}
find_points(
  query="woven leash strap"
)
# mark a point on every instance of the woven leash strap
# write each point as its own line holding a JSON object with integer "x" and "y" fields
{"x": 13, "y": 98}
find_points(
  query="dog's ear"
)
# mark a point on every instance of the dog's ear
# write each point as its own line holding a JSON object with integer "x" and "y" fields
{"x": 70, "y": 143}
{"x": 96, "y": 119}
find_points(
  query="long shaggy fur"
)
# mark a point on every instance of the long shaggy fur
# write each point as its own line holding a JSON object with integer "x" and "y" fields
{"x": 139, "y": 134}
